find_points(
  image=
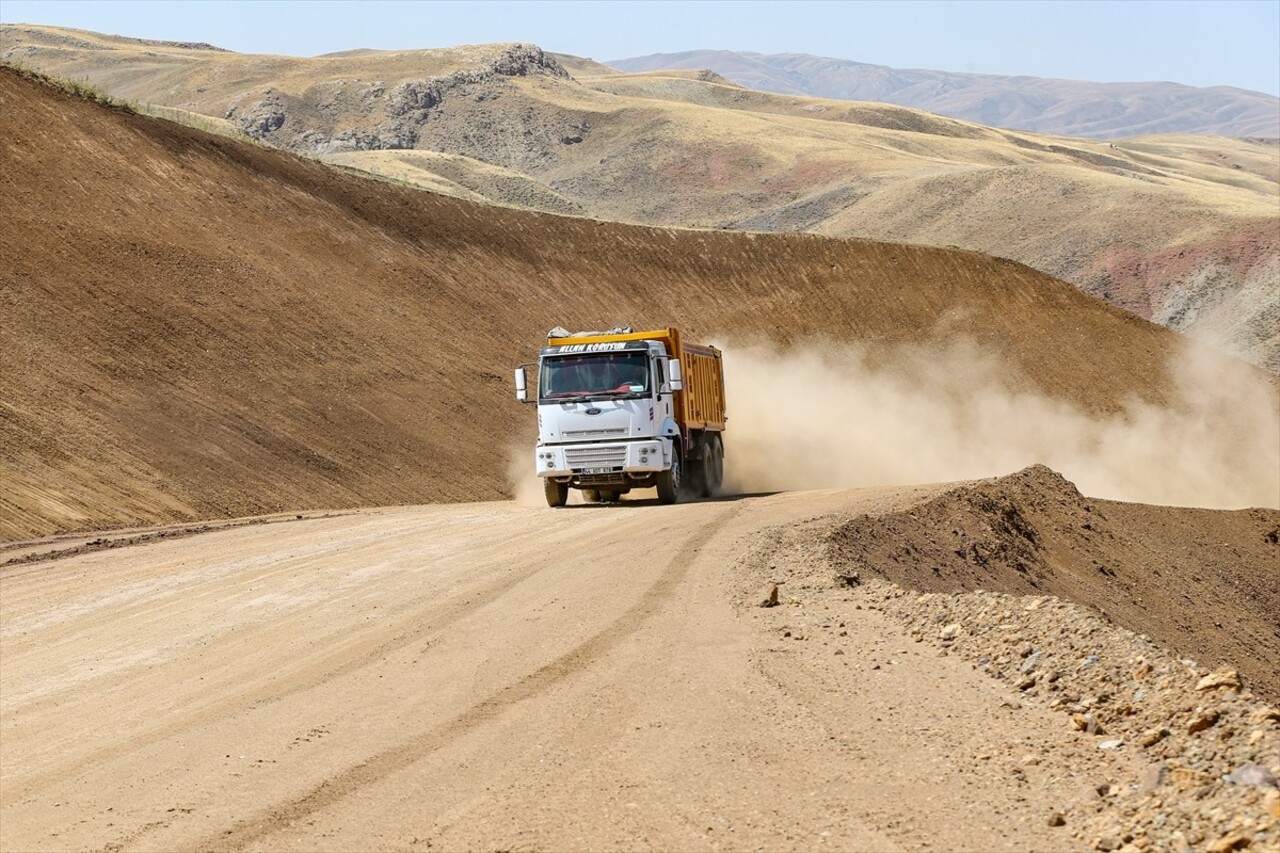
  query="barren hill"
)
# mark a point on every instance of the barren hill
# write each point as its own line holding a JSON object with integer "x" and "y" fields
{"x": 197, "y": 327}
{"x": 1043, "y": 105}
{"x": 1180, "y": 230}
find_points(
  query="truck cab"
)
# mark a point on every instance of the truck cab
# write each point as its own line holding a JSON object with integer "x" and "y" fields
{"x": 613, "y": 415}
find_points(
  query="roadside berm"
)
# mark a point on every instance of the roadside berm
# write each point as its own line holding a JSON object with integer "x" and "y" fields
{"x": 1054, "y": 596}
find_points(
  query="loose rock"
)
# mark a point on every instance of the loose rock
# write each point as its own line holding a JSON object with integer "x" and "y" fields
{"x": 1253, "y": 774}
{"x": 1219, "y": 678}
{"x": 1202, "y": 720}
{"x": 1265, "y": 714}
{"x": 1153, "y": 777}
{"x": 1227, "y": 843}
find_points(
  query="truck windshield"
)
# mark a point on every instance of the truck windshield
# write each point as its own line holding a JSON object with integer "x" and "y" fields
{"x": 595, "y": 375}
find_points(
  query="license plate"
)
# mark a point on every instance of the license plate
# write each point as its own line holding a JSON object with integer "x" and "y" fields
{"x": 596, "y": 471}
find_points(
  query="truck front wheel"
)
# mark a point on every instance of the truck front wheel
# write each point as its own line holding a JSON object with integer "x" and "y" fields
{"x": 669, "y": 481}
{"x": 557, "y": 493}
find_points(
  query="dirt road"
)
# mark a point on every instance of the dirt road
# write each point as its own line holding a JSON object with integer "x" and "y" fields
{"x": 489, "y": 676}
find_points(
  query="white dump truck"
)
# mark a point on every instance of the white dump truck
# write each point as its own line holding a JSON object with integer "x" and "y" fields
{"x": 623, "y": 410}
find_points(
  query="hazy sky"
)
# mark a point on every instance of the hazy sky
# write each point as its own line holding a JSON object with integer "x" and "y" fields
{"x": 1235, "y": 43}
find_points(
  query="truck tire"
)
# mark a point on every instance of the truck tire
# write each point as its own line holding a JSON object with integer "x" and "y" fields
{"x": 715, "y": 466}
{"x": 609, "y": 496}
{"x": 591, "y": 496}
{"x": 700, "y": 473}
{"x": 669, "y": 481}
{"x": 557, "y": 493}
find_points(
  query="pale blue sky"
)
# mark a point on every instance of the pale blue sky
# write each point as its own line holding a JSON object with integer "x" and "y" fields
{"x": 1224, "y": 42}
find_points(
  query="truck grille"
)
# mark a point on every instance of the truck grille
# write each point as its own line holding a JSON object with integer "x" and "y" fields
{"x": 596, "y": 457}
{"x": 594, "y": 433}
{"x": 602, "y": 479}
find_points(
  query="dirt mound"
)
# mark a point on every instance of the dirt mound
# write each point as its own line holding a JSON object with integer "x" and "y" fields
{"x": 1201, "y": 582}
{"x": 1150, "y": 632}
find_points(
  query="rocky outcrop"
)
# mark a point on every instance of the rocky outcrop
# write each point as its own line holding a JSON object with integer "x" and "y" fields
{"x": 262, "y": 119}
{"x": 396, "y": 114}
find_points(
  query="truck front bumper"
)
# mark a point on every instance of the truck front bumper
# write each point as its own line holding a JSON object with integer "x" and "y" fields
{"x": 640, "y": 458}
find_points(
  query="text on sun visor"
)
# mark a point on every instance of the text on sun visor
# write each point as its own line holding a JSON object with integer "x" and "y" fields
{"x": 592, "y": 347}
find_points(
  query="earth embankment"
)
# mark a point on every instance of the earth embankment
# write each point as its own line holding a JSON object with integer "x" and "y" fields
{"x": 195, "y": 327}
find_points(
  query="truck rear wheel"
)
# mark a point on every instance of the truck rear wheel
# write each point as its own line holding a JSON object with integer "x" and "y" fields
{"x": 707, "y": 472}
{"x": 591, "y": 496}
{"x": 700, "y": 473}
{"x": 715, "y": 465}
{"x": 557, "y": 493}
{"x": 669, "y": 481}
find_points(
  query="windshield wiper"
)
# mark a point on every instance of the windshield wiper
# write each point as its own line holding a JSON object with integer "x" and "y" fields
{"x": 568, "y": 398}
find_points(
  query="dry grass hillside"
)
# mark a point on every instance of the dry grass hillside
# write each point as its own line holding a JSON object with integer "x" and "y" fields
{"x": 1179, "y": 230}
{"x": 193, "y": 326}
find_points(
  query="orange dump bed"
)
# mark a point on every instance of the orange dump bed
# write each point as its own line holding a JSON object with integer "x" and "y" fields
{"x": 701, "y": 404}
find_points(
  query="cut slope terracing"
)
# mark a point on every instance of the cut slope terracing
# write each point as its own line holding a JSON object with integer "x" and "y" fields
{"x": 195, "y": 327}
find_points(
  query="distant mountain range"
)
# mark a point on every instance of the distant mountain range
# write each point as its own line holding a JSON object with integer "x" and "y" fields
{"x": 1072, "y": 107}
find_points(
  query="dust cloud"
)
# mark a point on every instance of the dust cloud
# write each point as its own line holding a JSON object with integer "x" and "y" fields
{"x": 522, "y": 476}
{"x": 830, "y": 416}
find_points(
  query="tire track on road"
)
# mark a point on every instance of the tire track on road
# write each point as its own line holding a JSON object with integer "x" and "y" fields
{"x": 408, "y": 630}
{"x": 402, "y": 755}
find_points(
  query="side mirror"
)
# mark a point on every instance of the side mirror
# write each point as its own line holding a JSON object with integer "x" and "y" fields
{"x": 522, "y": 385}
{"x": 677, "y": 382}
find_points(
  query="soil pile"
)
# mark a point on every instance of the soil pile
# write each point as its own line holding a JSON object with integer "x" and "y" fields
{"x": 1209, "y": 746}
{"x": 1151, "y": 631}
{"x": 1205, "y": 583}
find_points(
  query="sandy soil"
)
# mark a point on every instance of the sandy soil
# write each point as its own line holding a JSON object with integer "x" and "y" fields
{"x": 490, "y": 676}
